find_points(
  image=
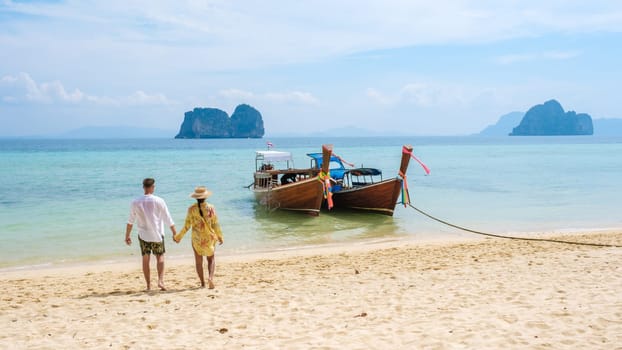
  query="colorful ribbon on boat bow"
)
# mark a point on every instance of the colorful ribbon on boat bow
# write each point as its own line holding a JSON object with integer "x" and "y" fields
{"x": 410, "y": 153}
{"x": 324, "y": 178}
{"x": 405, "y": 194}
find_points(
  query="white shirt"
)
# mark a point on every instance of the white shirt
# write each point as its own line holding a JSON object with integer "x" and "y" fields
{"x": 150, "y": 213}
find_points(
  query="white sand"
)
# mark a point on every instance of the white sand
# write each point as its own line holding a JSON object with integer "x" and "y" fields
{"x": 487, "y": 294}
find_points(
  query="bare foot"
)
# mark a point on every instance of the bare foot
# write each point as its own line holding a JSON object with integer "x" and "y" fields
{"x": 202, "y": 284}
{"x": 210, "y": 284}
{"x": 161, "y": 285}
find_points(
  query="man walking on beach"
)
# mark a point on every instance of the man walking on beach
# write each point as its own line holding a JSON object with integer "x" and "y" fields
{"x": 149, "y": 212}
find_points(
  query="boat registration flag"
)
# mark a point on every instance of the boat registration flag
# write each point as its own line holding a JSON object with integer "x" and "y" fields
{"x": 269, "y": 144}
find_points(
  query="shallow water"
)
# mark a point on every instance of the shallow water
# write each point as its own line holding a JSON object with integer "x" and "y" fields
{"x": 68, "y": 200}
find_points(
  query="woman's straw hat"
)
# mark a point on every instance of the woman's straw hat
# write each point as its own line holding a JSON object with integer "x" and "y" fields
{"x": 200, "y": 193}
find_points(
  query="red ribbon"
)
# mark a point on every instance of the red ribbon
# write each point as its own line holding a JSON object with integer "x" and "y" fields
{"x": 410, "y": 153}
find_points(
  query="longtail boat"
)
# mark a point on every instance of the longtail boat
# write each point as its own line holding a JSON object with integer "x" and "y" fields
{"x": 286, "y": 187}
{"x": 364, "y": 188}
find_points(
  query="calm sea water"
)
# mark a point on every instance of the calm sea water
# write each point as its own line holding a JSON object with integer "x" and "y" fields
{"x": 67, "y": 200}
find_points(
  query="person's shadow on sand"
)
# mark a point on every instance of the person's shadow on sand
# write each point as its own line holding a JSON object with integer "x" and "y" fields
{"x": 120, "y": 293}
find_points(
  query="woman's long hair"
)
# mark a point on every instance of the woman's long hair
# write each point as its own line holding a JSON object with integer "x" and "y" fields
{"x": 199, "y": 201}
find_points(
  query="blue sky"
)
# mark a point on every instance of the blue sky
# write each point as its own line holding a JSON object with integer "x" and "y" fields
{"x": 446, "y": 67}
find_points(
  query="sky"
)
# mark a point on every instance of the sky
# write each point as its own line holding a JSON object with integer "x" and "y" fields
{"x": 446, "y": 67}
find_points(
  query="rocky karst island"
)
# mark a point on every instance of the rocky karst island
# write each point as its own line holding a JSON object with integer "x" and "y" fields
{"x": 549, "y": 119}
{"x": 208, "y": 123}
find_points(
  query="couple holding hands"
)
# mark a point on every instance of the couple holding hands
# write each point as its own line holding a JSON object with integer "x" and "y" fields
{"x": 149, "y": 213}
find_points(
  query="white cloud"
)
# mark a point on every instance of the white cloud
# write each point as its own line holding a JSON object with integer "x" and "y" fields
{"x": 536, "y": 56}
{"x": 429, "y": 95}
{"x": 378, "y": 97}
{"x": 23, "y": 87}
{"x": 296, "y": 97}
{"x": 420, "y": 94}
{"x": 56, "y": 91}
{"x": 142, "y": 98}
{"x": 236, "y": 94}
{"x": 129, "y": 50}
{"x": 514, "y": 58}
{"x": 8, "y": 79}
{"x": 561, "y": 55}
{"x": 276, "y": 32}
{"x": 293, "y": 96}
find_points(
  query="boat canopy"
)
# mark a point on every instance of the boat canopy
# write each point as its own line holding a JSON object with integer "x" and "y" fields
{"x": 365, "y": 172}
{"x": 318, "y": 158}
{"x": 274, "y": 156}
{"x": 336, "y": 167}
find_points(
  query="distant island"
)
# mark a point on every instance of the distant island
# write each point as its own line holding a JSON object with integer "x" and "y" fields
{"x": 549, "y": 119}
{"x": 508, "y": 122}
{"x": 201, "y": 123}
{"x": 504, "y": 125}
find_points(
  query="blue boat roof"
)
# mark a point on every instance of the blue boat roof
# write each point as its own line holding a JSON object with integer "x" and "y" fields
{"x": 319, "y": 158}
{"x": 338, "y": 173}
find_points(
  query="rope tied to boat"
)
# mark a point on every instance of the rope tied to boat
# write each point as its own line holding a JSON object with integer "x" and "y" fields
{"x": 533, "y": 239}
{"x": 406, "y": 202}
{"x": 324, "y": 179}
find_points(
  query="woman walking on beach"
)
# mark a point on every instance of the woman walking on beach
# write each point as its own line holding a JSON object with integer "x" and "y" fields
{"x": 202, "y": 219}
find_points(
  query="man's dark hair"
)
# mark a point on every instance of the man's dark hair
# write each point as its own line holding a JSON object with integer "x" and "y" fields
{"x": 148, "y": 182}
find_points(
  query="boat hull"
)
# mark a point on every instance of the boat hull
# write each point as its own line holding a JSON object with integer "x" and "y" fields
{"x": 305, "y": 196}
{"x": 379, "y": 197}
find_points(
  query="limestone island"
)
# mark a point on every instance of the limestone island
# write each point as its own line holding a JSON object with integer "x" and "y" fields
{"x": 549, "y": 119}
{"x": 213, "y": 123}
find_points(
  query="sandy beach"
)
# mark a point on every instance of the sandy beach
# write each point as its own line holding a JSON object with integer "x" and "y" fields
{"x": 479, "y": 294}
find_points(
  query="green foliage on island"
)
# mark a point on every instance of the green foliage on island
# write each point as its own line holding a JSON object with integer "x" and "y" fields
{"x": 246, "y": 122}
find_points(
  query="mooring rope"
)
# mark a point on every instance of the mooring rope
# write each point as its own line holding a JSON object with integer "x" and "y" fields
{"x": 512, "y": 237}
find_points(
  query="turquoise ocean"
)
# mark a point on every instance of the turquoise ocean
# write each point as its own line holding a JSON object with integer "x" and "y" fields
{"x": 67, "y": 201}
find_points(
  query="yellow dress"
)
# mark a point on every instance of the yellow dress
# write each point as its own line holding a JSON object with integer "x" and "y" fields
{"x": 205, "y": 230}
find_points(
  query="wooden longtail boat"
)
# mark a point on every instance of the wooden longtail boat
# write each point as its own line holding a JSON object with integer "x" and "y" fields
{"x": 287, "y": 188}
{"x": 359, "y": 188}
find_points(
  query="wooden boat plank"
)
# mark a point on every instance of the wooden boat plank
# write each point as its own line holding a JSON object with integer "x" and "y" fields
{"x": 380, "y": 197}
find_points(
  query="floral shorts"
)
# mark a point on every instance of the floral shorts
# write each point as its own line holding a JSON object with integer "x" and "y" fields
{"x": 148, "y": 247}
